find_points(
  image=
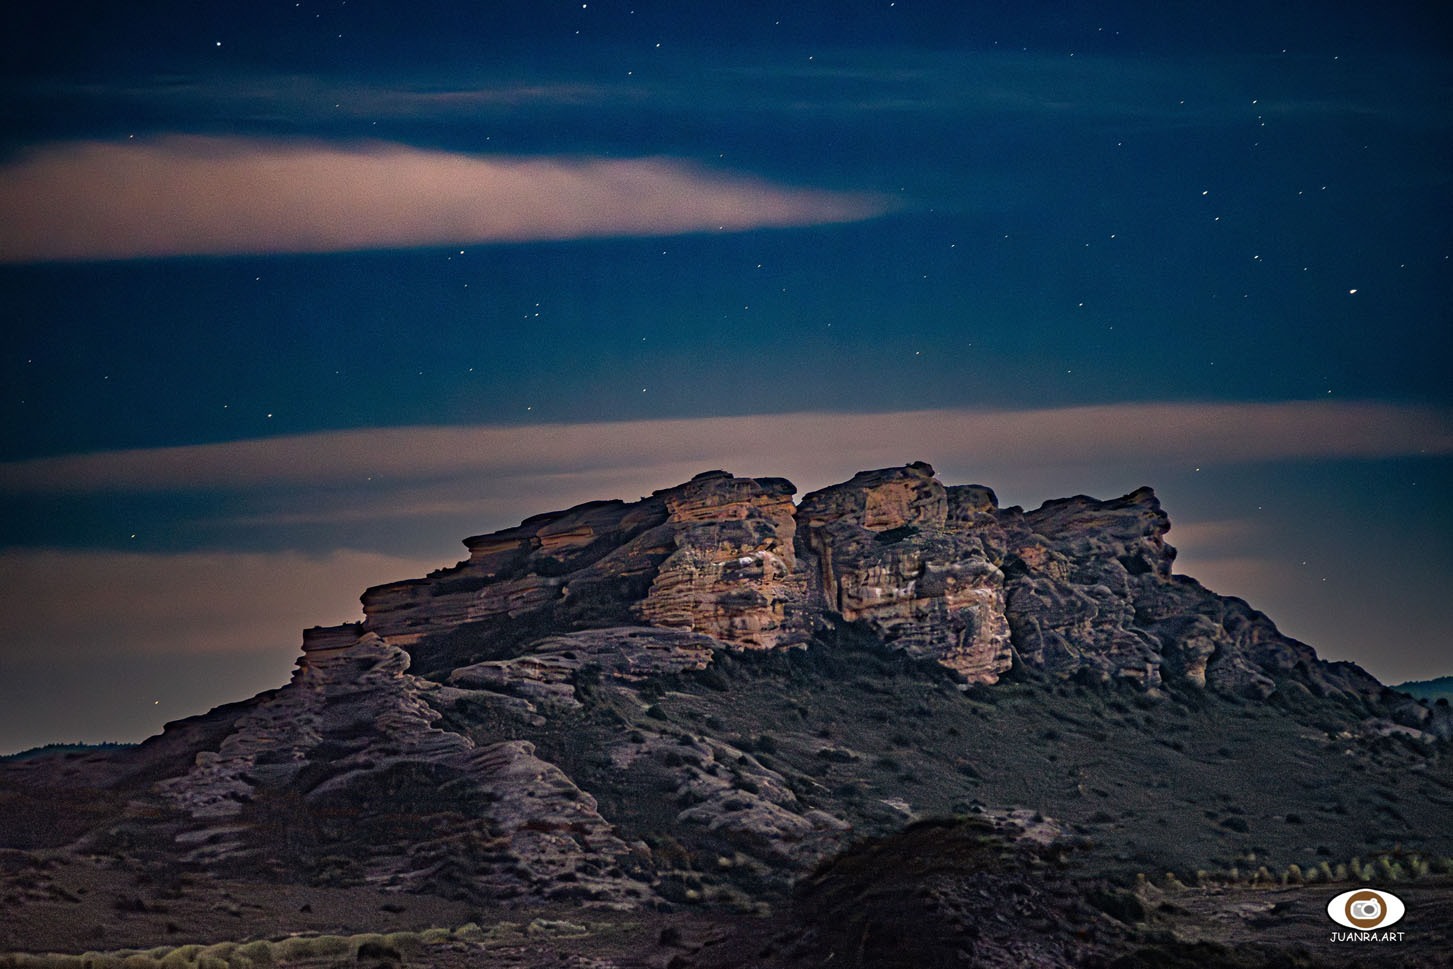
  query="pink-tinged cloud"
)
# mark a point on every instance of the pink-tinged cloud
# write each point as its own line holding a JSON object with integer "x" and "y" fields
{"x": 99, "y": 645}
{"x": 810, "y": 448}
{"x": 187, "y": 195}
{"x": 181, "y": 604}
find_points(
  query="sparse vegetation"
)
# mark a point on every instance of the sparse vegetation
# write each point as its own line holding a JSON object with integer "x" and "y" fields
{"x": 312, "y": 950}
{"x": 1381, "y": 869}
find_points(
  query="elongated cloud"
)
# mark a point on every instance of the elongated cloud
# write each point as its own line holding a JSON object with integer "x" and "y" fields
{"x": 180, "y": 604}
{"x": 812, "y": 445}
{"x": 184, "y": 195}
{"x": 99, "y": 645}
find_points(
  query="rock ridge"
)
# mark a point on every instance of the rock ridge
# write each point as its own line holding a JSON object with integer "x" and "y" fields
{"x": 1079, "y": 586}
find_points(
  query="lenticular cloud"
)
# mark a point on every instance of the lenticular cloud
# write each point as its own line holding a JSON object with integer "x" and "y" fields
{"x": 806, "y": 446}
{"x": 184, "y": 195}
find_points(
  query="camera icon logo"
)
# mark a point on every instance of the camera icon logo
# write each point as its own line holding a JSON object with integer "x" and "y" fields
{"x": 1369, "y": 909}
{"x": 1365, "y": 909}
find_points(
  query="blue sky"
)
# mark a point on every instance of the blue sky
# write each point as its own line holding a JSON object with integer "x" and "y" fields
{"x": 298, "y": 294}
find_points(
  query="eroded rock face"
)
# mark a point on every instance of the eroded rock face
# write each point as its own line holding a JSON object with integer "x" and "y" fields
{"x": 1078, "y": 585}
{"x": 887, "y": 554}
{"x": 714, "y": 555}
{"x": 734, "y": 573}
{"x": 723, "y": 789}
{"x": 547, "y": 674}
{"x": 519, "y": 570}
{"x": 1076, "y": 566}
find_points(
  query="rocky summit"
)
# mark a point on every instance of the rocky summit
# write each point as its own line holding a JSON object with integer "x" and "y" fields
{"x": 723, "y": 698}
{"x": 1078, "y": 586}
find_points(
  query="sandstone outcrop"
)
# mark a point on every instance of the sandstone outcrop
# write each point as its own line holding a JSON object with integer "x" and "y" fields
{"x": 888, "y": 554}
{"x": 1077, "y": 586}
{"x": 497, "y": 729}
{"x": 715, "y": 555}
{"x": 548, "y": 673}
{"x": 734, "y": 572}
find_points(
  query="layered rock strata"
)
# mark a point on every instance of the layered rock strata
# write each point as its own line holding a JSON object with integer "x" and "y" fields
{"x": 734, "y": 571}
{"x": 1078, "y": 585}
{"x": 898, "y": 551}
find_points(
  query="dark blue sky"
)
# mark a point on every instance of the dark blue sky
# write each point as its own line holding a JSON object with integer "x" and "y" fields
{"x": 1201, "y": 247}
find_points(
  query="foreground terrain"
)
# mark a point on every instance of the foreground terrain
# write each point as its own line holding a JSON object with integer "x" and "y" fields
{"x": 953, "y": 908}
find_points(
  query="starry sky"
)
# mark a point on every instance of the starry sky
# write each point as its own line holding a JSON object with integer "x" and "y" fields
{"x": 298, "y": 294}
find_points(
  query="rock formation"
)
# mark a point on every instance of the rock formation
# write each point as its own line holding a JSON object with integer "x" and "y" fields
{"x": 917, "y": 562}
{"x": 498, "y": 729}
{"x": 1075, "y": 586}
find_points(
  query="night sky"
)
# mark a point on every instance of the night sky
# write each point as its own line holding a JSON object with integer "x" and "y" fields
{"x": 296, "y": 295}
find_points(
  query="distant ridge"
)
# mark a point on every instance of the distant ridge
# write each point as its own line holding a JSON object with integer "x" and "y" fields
{"x": 60, "y": 748}
{"x": 1439, "y": 688}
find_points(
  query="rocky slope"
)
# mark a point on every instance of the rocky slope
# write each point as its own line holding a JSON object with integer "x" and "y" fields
{"x": 703, "y": 694}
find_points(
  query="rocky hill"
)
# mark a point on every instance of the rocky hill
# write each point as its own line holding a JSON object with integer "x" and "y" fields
{"x": 699, "y": 697}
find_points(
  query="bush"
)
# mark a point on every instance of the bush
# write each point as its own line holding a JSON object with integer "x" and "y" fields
{"x": 22, "y": 960}
{"x": 377, "y": 952}
{"x": 556, "y": 928}
{"x": 407, "y": 943}
{"x": 259, "y": 953}
{"x": 301, "y": 947}
{"x": 100, "y": 960}
{"x": 327, "y": 949}
{"x": 367, "y": 939}
{"x": 184, "y": 957}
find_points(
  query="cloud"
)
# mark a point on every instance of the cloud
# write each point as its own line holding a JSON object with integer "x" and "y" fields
{"x": 815, "y": 446}
{"x": 1234, "y": 556}
{"x": 186, "y": 195}
{"x": 66, "y": 604}
{"x": 1219, "y": 535}
{"x": 100, "y": 645}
